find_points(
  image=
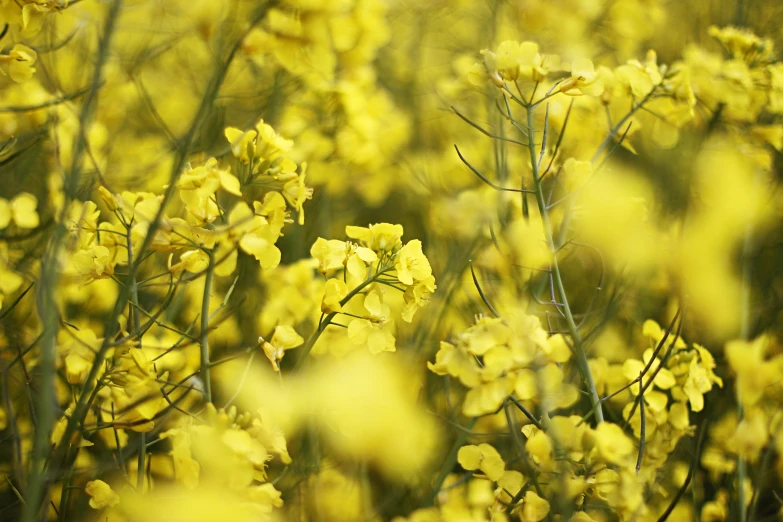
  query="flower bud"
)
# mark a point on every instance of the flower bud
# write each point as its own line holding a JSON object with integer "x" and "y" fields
{"x": 108, "y": 198}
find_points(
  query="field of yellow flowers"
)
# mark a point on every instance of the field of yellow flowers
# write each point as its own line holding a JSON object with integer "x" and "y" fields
{"x": 391, "y": 260}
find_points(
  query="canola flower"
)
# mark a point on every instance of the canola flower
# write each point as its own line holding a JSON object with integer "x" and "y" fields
{"x": 361, "y": 260}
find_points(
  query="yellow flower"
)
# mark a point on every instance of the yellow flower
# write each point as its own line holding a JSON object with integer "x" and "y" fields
{"x": 20, "y": 63}
{"x": 653, "y": 331}
{"x": 487, "y": 333}
{"x": 93, "y": 263}
{"x": 83, "y": 217}
{"x": 334, "y": 292}
{"x": 716, "y": 510}
{"x": 255, "y": 235}
{"x": 664, "y": 378}
{"x": 546, "y": 385}
{"x": 557, "y": 349}
{"x": 33, "y": 16}
{"x": 274, "y": 210}
{"x": 635, "y": 79}
{"x": 140, "y": 207}
{"x": 242, "y": 143}
{"x": 284, "y": 338}
{"x": 186, "y": 468}
{"x": 577, "y": 173}
{"x": 611, "y": 444}
{"x": 329, "y": 253}
{"x": 81, "y": 347}
{"x": 416, "y": 297}
{"x": 10, "y": 281}
{"x": 694, "y": 369}
{"x": 59, "y": 430}
{"x": 583, "y": 78}
{"x": 270, "y": 144}
{"x": 738, "y": 41}
{"x": 20, "y": 210}
{"x": 771, "y": 134}
{"x": 452, "y": 361}
{"x": 484, "y": 458}
{"x": 382, "y": 237}
{"x": 511, "y": 482}
{"x": 541, "y": 449}
{"x": 193, "y": 261}
{"x": 509, "y": 56}
{"x": 198, "y": 185}
{"x": 296, "y": 192}
{"x": 512, "y": 61}
{"x": 262, "y": 248}
{"x": 101, "y": 494}
{"x": 752, "y": 434}
{"x": 755, "y": 373}
{"x": 109, "y": 199}
{"x": 697, "y": 384}
{"x": 534, "y": 508}
{"x": 487, "y": 397}
{"x": 412, "y": 264}
{"x": 377, "y": 330}
{"x": 358, "y": 260}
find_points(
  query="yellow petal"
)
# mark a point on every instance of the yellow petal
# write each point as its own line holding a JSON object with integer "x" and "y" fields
{"x": 230, "y": 183}
{"x": 535, "y": 508}
{"x": 285, "y": 337}
{"x": 101, "y": 494}
{"x": 24, "y": 211}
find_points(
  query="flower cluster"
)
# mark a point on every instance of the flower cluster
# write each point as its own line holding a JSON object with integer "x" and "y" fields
{"x": 495, "y": 360}
{"x": 376, "y": 261}
{"x": 177, "y": 341}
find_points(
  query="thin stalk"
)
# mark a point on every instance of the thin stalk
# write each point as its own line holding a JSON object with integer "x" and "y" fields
{"x": 16, "y": 441}
{"x": 181, "y": 155}
{"x": 643, "y": 430}
{"x": 135, "y": 320}
{"x": 65, "y": 495}
{"x": 451, "y": 459}
{"x": 747, "y": 248}
{"x": 766, "y": 460}
{"x": 527, "y": 468}
{"x": 613, "y": 132}
{"x": 691, "y": 471}
{"x": 50, "y": 274}
{"x": 141, "y": 461}
{"x": 328, "y": 320}
{"x": 579, "y": 352}
{"x": 204, "y": 341}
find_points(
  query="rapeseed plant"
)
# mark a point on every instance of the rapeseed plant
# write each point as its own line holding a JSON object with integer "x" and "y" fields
{"x": 343, "y": 260}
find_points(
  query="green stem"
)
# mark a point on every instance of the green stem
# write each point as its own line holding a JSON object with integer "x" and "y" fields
{"x": 204, "y": 342}
{"x": 328, "y": 320}
{"x": 451, "y": 459}
{"x": 745, "y": 289}
{"x": 766, "y": 460}
{"x": 37, "y": 489}
{"x": 619, "y": 125}
{"x": 65, "y": 495}
{"x": 141, "y": 463}
{"x": 181, "y": 155}
{"x": 135, "y": 320}
{"x": 527, "y": 468}
{"x": 45, "y": 409}
{"x": 579, "y": 352}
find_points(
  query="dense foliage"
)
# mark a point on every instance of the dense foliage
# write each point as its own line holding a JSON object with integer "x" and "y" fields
{"x": 418, "y": 261}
